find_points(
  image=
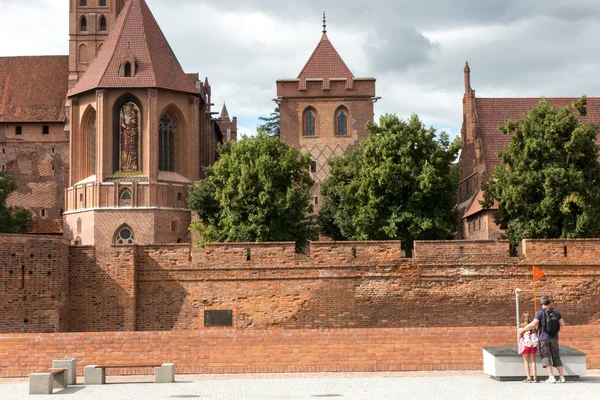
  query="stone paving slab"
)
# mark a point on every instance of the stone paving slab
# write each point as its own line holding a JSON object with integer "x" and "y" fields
{"x": 417, "y": 386}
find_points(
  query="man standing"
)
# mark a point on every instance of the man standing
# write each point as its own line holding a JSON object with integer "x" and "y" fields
{"x": 548, "y": 322}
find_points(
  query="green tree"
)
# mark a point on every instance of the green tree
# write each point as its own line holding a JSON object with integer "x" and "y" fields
{"x": 258, "y": 191}
{"x": 12, "y": 219}
{"x": 394, "y": 185}
{"x": 548, "y": 183}
{"x": 272, "y": 123}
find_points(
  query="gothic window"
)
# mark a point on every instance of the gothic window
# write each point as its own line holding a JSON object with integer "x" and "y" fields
{"x": 83, "y": 54}
{"x": 83, "y": 24}
{"x": 43, "y": 212}
{"x": 127, "y": 70}
{"x": 125, "y": 196}
{"x": 83, "y": 3}
{"x": 309, "y": 123}
{"x": 93, "y": 146}
{"x": 166, "y": 143}
{"x": 102, "y": 3}
{"x": 125, "y": 236}
{"x": 342, "y": 123}
{"x": 102, "y": 24}
{"x": 313, "y": 166}
{"x": 316, "y": 201}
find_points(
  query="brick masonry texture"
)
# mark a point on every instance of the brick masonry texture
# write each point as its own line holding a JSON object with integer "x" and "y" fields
{"x": 326, "y": 350}
{"x": 269, "y": 286}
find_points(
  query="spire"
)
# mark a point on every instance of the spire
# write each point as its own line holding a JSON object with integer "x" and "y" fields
{"x": 136, "y": 34}
{"x": 467, "y": 77}
{"x": 224, "y": 113}
{"x": 324, "y": 23}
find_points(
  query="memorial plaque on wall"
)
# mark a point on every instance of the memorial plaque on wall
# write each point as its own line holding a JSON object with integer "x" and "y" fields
{"x": 218, "y": 318}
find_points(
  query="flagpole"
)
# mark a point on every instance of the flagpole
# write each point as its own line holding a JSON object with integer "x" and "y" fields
{"x": 517, "y": 291}
{"x": 534, "y": 291}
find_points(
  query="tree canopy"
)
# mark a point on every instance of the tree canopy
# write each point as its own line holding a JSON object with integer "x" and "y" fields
{"x": 548, "y": 183}
{"x": 258, "y": 191}
{"x": 272, "y": 123}
{"x": 12, "y": 219}
{"x": 396, "y": 185}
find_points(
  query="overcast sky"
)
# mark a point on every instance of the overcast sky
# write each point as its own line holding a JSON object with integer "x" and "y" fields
{"x": 415, "y": 49}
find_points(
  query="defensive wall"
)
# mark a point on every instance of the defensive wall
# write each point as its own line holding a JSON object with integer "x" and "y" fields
{"x": 347, "y": 306}
{"x": 46, "y": 285}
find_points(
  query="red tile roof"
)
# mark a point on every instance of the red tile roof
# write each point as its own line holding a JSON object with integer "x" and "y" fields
{"x": 136, "y": 32}
{"x": 492, "y": 112}
{"x": 475, "y": 207}
{"x": 325, "y": 63}
{"x": 33, "y": 89}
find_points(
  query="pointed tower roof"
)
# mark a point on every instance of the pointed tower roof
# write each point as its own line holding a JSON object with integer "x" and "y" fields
{"x": 325, "y": 63}
{"x": 135, "y": 34}
{"x": 224, "y": 113}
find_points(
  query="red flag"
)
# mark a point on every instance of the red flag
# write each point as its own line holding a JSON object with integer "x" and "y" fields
{"x": 537, "y": 274}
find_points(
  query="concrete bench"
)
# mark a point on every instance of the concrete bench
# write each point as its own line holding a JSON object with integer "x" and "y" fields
{"x": 44, "y": 382}
{"x": 96, "y": 375}
{"x": 504, "y": 363}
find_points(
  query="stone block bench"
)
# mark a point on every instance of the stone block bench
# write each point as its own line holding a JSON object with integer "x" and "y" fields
{"x": 96, "y": 375}
{"x": 504, "y": 363}
{"x": 44, "y": 382}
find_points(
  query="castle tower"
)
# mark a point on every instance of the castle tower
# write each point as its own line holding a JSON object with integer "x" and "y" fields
{"x": 89, "y": 24}
{"x": 227, "y": 125}
{"x": 325, "y": 109}
{"x": 135, "y": 120}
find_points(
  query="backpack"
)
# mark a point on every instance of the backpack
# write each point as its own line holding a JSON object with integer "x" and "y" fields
{"x": 551, "y": 322}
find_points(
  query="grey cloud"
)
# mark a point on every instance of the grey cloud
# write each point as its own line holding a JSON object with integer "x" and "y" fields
{"x": 397, "y": 48}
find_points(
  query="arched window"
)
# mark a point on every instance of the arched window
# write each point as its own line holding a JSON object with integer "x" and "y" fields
{"x": 78, "y": 226}
{"x": 83, "y": 24}
{"x": 83, "y": 54}
{"x": 127, "y": 70}
{"x": 125, "y": 236}
{"x": 342, "y": 123}
{"x": 102, "y": 24}
{"x": 83, "y": 3}
{"x": 166, "y": 143}
{"x": 93, "y": 147}
{"x": 43, "y": 212}
{"x": 309, "y": 123}
{"x": 125, "y": 196}
{"x": 102, "y": 3}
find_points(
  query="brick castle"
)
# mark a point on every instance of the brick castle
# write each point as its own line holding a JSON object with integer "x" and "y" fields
{"x": 111, "y": 148}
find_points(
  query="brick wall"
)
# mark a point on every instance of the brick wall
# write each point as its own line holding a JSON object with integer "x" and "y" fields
{"x": 340, "y": 285}
{"x": 40, "y": 169}
{"x": 33, "y": 284}
{"x": 404, "y": 349}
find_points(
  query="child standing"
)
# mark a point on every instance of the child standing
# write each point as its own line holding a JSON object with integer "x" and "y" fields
{"x": 528, "y": 347}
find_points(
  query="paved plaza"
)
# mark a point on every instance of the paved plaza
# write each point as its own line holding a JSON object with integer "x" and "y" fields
{"x": 387, "y": 386}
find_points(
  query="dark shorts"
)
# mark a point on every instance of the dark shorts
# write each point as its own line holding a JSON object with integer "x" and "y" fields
{"x": 549, "y": 352}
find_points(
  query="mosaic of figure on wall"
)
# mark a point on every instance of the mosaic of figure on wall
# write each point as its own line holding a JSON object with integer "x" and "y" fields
{"x": 130, "y": 138}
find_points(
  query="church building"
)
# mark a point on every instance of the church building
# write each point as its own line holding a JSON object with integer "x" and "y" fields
{"x": 481, "y": 141}
{"x": 325, "y": 109}
{"x": 104, "y": 143}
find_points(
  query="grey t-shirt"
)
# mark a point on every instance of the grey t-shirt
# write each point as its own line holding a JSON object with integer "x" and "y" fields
{"x": 539, "y": 316}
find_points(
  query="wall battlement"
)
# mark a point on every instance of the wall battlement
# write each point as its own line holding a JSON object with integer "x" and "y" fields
{"x": 46, "y": 285}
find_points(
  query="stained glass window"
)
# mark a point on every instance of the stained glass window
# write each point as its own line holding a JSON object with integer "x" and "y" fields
{"x": 166, "y": 143}
{"x": 342, "y": 122}
{"x": 125, "y": 236}
{"x": 310, "y": 124}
